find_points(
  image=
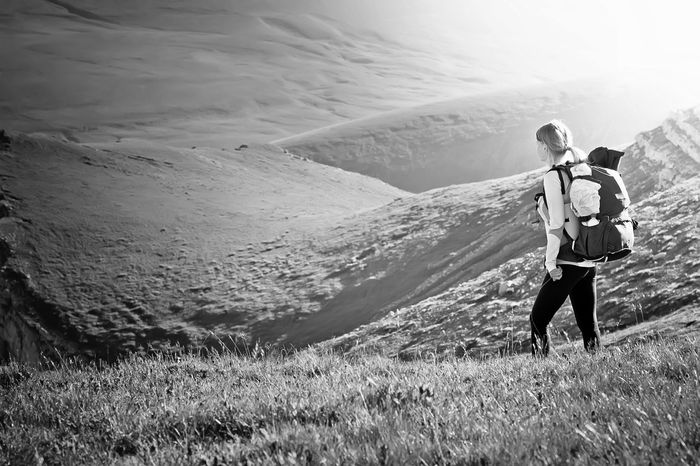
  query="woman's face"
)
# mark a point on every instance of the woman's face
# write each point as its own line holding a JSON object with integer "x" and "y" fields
{"x": 542, "y": 151}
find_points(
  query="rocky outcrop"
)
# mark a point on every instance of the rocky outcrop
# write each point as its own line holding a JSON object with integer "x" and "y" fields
{"x": 683, "y": 130}
{"x": 663, "y": 156}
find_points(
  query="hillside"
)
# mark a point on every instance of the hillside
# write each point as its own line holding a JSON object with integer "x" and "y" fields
{"x": 219, "y": 73}
{"x": 222, "y": 73}
{"x": 156, "y": 246}
{"x": 480, "y": 236}
{"x": 446, "y": 143}
{"x": 658, "y": 283}
{"x": 117, "y": 247}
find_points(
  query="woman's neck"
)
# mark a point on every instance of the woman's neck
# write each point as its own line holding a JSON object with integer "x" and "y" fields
{"x": 562, "y": 159}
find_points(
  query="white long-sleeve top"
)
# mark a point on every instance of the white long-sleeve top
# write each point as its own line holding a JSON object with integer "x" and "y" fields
{"x": 558, "y": 217}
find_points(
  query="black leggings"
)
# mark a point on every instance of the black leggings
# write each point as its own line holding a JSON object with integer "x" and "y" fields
{"x": 578, "y": 283}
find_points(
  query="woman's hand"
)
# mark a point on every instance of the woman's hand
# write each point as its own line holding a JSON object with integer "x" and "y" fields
{"x": 556, "y": 273}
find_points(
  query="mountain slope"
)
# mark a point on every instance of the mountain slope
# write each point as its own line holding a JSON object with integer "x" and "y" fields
{"x": 410, "y": 250}
{"x": 221, "y": 72}
{"x": 113, "y": 248}
{"x": 124, "y": 246}
{"x": 662, "y": 157}
{"x": 446, "y": 142}
{"x": 216, "y": 73}
{"x": 659, "y": 282}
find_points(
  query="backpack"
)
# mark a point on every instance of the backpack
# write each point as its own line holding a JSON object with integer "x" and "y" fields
{"x": 600, "y": 202}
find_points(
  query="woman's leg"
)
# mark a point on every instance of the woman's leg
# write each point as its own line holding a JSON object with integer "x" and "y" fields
{"x": 551, "y": 296}
{"x": 583, "y": 301}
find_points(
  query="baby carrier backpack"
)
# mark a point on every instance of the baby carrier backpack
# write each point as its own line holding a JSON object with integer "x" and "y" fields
{"x": 600, "y": 202}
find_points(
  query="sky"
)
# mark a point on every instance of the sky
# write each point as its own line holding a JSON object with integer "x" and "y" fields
{"x": 643, "y": 43}
{"x": 563, "y": 37}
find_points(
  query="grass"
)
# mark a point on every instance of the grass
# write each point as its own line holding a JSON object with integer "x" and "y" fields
{"x": 633, "y": 404}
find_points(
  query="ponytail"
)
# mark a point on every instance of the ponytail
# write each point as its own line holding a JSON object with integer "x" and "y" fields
{"x": 579, "y": 155}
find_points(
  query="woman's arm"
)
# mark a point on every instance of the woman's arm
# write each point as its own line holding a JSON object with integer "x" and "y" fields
{"x": 555, "y": 232}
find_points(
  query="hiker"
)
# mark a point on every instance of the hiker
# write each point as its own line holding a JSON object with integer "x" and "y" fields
{"x": 566, "y": 273}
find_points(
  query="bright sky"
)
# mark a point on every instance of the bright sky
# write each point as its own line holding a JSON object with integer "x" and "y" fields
{"x": 560, "y": 36}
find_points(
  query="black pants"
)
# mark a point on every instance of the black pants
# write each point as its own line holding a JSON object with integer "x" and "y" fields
{"x": 578, "y": 283}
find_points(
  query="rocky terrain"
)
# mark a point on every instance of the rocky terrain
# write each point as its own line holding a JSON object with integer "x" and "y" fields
{"x": 658, "y": 285}
{"x": 160, "y": 247}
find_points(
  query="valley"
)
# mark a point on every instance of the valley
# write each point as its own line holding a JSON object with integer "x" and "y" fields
{"x": 160, "y": 247}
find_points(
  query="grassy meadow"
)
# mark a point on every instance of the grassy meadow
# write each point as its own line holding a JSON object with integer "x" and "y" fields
{"x": 637, "y": 403}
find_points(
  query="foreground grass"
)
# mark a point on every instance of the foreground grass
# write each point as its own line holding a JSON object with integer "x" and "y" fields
{"x": 633, "y": 404}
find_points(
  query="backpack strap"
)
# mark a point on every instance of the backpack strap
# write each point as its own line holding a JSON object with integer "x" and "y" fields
{"x": 563, "y": 168}
{"x": 561, "y": 182}
{"x": 537, "y": 199}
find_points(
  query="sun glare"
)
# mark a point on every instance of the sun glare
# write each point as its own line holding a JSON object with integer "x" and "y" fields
{"x": 565, "y": 39}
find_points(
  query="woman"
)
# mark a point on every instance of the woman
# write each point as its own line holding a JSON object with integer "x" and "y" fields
{"x": 567, "y": 275}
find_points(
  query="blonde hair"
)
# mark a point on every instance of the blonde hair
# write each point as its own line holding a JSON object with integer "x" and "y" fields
{"x": 559, "y": 140}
